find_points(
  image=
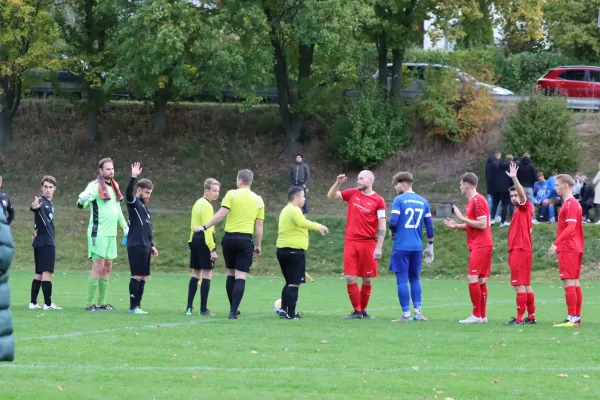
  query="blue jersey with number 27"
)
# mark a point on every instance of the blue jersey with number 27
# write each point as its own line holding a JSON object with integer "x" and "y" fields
{"x": 409, "y": 213}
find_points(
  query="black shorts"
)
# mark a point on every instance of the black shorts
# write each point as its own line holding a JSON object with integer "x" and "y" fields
{"x": 139, "y": 260}
{"x": 200, "y": 253}
{"x": 238, "y": 250}
{"x": 293, "y": 265}
{"x": 44, "y": 259}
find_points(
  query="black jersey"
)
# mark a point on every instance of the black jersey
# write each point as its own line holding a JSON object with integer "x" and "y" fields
{"x": 140, "y": 220}
{"x": 44, "y": 224}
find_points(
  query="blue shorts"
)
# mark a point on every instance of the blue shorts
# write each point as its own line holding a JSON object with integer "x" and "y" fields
{"x": 406, "y": 261}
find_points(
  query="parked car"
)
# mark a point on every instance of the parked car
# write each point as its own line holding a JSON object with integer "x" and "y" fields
{"x": 418, "y": 69}
{"x": 571, "y": 81}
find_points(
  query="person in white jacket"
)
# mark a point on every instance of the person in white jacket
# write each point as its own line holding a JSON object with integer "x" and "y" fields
{"x": 596, "y": 183}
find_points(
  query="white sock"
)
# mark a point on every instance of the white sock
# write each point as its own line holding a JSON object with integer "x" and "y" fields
{"x": 572, "y": 318}
{"x": 406, "y": 314}
{"x": 417, "y": 310}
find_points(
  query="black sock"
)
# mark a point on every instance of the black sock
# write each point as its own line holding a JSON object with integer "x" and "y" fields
{"x": 141, "y": 292}
{"x": 204, "y": 289}
{"x": 284, "y": 297}
{"x": 229, "y": 286}
{"x": 292, "y": 299}
{"x": 35, "y": 290}
{"x": 134, "y": 288}
{"x": 193, "y": 287}
{"x": 238, "y": 293}
{"x": 47, "y": 290}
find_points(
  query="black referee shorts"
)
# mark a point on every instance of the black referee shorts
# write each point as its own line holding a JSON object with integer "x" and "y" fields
{"x": 238, "y": 250}
{"x": 139, "y": 260}
{"x": 200, "y": 253}
{"x": 293, "y": 265}
{"x": 44, "y": 259}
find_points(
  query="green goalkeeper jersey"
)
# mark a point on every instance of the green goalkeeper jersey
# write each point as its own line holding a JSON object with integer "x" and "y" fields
{"x": 104, "y": 214}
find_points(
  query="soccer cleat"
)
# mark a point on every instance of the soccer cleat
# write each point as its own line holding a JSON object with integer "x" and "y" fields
{"x": 472, "y": 320}
{"x": 403, "y": 319}
{"x": 354, "y": 315}
{"x": 188, "y": 311}
{"x": 283, "y": 315}
{"x": 483, "y": 320}
{"x": 420, "y": 317}
{"x": 34, "y": 306}
{"x": 505, "y": 224}
{"x": 139, "y": 311}
{"x": 566, "y": 324}
{"x": 530, "y": 321}
{"x": 106, "y": 307}
{"x": 579, "y": 322}
{"x": 298, "y": 315}
{"x": 513, "y": 322}
{"x": 207, "y": 312}
{"x": 52, "y": 306}
{"x": 92, "y": 308}
{"x": 232, "y": 316}
{"x": 535, "y": 222}
{"x": 367, "y": 315}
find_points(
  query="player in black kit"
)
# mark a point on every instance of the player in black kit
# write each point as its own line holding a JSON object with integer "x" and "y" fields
{"x": 139, "y": 240}
{"x": 5, "y": 205}
{"x": 44, "y": 245}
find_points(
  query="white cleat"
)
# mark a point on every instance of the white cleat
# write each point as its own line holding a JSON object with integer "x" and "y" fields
{"x": 471, "y": 320}
{"x": 505, "y": 224}
{"x": 483, "y": 320}
{"x": 52, "y": 307}
{"x": 34, "y": 306}
{"x": 535, "y": 222}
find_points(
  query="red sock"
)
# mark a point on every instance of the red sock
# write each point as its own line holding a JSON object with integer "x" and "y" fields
{"x": 579, "y": 300}
{"x": 484, "y": 296}
{"x": 475, "y": 292}
{"x": 531, "y": 305}
{"x": 571, "y": 297}
{"x": 365, "y": 295}
{"x": 521, "y": 305}
{"x": 354, "y": 293}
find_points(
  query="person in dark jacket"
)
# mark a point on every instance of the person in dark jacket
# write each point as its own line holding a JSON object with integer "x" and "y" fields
{"x": 300, "y": 177}
{"x": 490, "y": 172}
{"x": 587, "y": 199}
{"x": 7, "y": 340}
{"x": 527, "y": 175}
{"x": 501, "y": 184}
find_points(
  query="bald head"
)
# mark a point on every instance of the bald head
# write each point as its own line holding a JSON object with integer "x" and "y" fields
{"x": 365, "y": 181}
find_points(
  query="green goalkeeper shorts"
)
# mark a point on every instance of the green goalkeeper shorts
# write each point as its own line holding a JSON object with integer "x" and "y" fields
{"x": 102, "y": 247}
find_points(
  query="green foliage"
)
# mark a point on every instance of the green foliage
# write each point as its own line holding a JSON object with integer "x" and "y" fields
{"x": 454, "y": 109}
{"x": 543, "y": 126}
{"x": 373, "y": 130}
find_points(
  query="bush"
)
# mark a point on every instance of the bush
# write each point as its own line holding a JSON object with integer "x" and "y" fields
{"x": 372, "y": 131}
{"x": 543, "y": 126}
{"x": 454, "y": 109}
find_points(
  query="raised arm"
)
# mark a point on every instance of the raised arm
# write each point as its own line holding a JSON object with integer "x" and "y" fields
{"x": 512, "y": 173}
{"x": 334, "y": 192}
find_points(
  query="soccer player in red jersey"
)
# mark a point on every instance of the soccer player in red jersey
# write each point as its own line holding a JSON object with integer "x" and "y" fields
{"x": 480, "y": 244}
{"x": 520, "y": 250}
{"x": 365, "y": 232}
{"x": 569, "y": 245}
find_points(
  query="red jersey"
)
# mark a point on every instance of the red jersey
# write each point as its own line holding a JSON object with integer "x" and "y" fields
{"x": 570, "y": 212}
{"x": 364, "y": 211}
{"x": 519, "y": 233}
{"x": 477, "y": 208}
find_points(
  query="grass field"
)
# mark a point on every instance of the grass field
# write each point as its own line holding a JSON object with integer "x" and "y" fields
{"x": 71, "y": 354}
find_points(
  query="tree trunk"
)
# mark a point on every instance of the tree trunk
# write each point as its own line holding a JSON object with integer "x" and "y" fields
{"x": 160, "y": 115}
{"x": 397, "y": 59}
{"x": 93, "y": 111}
{"x": 6, "y": 106}
{"x": 382, "y": 51}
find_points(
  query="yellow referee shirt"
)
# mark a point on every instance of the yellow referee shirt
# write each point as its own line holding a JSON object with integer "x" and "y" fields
{"x": 245, "y": 207}
{"x": 293, "y": 228}
{"x": 202, "y": 212}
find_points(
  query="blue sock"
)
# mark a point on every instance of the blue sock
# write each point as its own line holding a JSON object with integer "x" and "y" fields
{"x": 403, "y": 292}
{"x": 415, "y": 292}
{"x": 551, "y": 211}
{"x": 543, "y": 211}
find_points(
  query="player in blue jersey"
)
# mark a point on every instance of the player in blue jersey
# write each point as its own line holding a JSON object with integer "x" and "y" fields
{"x": 409, "y": 212}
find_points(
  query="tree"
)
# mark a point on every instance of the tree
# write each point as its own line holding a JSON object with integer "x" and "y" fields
{"x": 521, "y": 22}
{"x": 572, "y": 27}
{"x": 27, "y": 36}
{"x": 309, "y": 41}
{"x": 478, "y": 29}
{"x": 86, "y": 27}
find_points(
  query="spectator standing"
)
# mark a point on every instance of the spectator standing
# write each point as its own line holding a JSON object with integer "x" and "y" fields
{"x": 300, "y": 177}
{"x": 596, "y": 183}
{"x": 501, "y": 184}
{"x": 587, "y": 199}
{"x": 490, "y": 171}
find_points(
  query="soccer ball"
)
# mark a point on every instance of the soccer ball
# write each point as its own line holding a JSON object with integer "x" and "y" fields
{"x": 277, "y": 306}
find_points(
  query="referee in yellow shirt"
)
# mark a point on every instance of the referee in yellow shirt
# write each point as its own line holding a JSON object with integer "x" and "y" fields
{"x": 245, "y": 211}
{"x": 292, "y": 242}
{"x": 203, "y": 248}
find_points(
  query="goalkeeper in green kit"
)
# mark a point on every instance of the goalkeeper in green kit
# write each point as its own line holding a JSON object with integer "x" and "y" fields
{"x": 103, "y": 197}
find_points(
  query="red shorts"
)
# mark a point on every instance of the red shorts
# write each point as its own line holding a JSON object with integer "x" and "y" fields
{"x": 519, "y": 261}
{"x": 358, "y": 258}
{"x": 569, "y": 264}
{"x": 480, "y": 261}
